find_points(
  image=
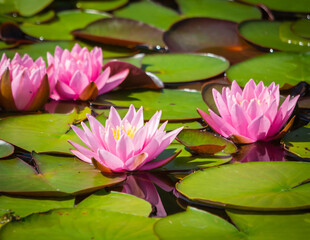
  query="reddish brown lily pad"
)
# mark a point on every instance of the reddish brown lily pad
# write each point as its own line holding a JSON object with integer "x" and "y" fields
{"x": 209, "y": 35}
{"x": 10, "y": 32}
{"x": 121, "y": 32}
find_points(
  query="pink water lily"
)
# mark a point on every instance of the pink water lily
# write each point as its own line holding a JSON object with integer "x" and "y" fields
{"x": 77, "y": 75}
{"x": 251, "y": 114}
{"x": 24, "y": 84}
{"x": 124, "y": 144}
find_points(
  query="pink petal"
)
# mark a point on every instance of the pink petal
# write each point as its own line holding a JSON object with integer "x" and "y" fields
{"x": 235, "y": 88}
{"x": 78, "y": 82}
{"x": 102, "y": 79}
{"x": 248, "y": 91}
{"x": 124, "y": 147}
{"x": 114, "y": 81}
{"x": 95, "y": 126}
{"x": 114, "y": 118}
{"x": 254, "y": 109}
{"x": 110, "y": 141}
{"x": 138, "y": 120}
{"x": 259, "y": 128}
{"x": 81, "y": 134}
{"x": 94, "y": 143}
{"x": 221, "y": 105}
{"x": 239, "y": 119}
{"x": 156, "y": 164}
{"x": 139, "y": 139}
{"x": 65, "y": 92}
{"x": 130, "y": 114}
{"x": 83, "y": 153}
{"x": 110, "y": 161}
{"x": 136, "y": 161}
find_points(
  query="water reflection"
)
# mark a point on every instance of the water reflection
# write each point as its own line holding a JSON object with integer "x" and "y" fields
{"x": 153, "y": 187}
{"x": 260, "y": 152}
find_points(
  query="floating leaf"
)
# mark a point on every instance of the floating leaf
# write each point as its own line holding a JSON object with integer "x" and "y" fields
{"x": 198, "y": 224}
{"x": 36, "y": 19}
{"x": 161, "y": 16}
{"x": 80, "y": 224}
{"x": 175, "y": 104}
{"x": 286, "y": 35}
{"x": 219, "y": 9}
{"x": 182, "y": 68}
{"x": 283, "y": 68}
{"x": 106, "y": 5}
{"x": 118, "y": 202}
{"x": 276, "y": 186}
{"x": 210, "y": 36}
{"x": 301, "y": 27}
{"x": 297, "y": 142}
{"x": 284, "y": 5}
{"x": 60, "y": 29}
{"x": 266, "y": 34}
{"x": 202, "y": 142}
{"x": 23, "y": 207}
{"x": 6, "y": 149}
{"x": 31, "y": 7}
{"x": 56, "y": 176}
{"x": 121, "y": 32}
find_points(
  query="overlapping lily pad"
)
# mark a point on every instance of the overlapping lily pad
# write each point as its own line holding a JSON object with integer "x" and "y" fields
{"x": 198, "y": 224}
{"x": 44, "y": 132}
{"x": 266, "y": 34}
{"x": 161, "y": 16}
{"x": 60, "y": 29}
{"x": 210, "y": 36}
{"x": 36, "y": 19}
{"x": 260, "y": 186}
{"x": 180, "y": 68}
{"x": 175, "y": 104}
{"x": 301, "y": 27}
{"x": 80, "y": 223}
{"x": 297, "y": 142}
{"x": 106, "y": 5}
{"x": 284, "y": 5}
{"x": 121, "y": 32}
{"x": 6, "y": 149}
{"x": 219, "y": 9}
{"x": 55, "y": 176}
{"x": 283, "y": 68}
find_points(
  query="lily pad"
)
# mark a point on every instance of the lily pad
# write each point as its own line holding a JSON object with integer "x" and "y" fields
{"x": 55, "y": 176}
{"x": 283, "y": 68}
{"x": 301, "y": 27}
{"x": 263, "y": 186}
{"x": 121, "y": 32}
{"x": 288, "y": 36}
{"x": 182, "y": 68}
{"x": 219, "y": 9}
{"x": 6, "y": 149}
{"x": 36, "y": 19}
{"x": 284, "y": 5}
{"x": 266, "y": 34}
{"x": 175, "y": 104}
{"x": 202, "y": 142}
{"x": 40, "y": 133}
{"x": 198, "y": 224}
{"x": 297, "y": 142}
{"x": 22, "y": 207}
{"x": 80, "y": 224}
{"x": 209, "y": 35}
{"x": 105, "y": 5}
{"x": 118, "y": 202}
{"x": 161, "y": 16}
{"x": 60, "y": 29}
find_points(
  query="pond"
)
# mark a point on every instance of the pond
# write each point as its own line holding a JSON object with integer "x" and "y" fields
{"x": 151, "y": 119}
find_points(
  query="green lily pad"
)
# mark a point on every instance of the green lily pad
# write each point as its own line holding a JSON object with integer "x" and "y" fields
{"x": 39, "y": 133}
{"x": 80, "y": 224}
{"x": 259, "y": 186}
{"x": 121, "y": 32}
{"x": 105, "y": 5}
{"x": 161, "y": 16}
{"x": 277, "y": 186}
{"x": 60, "y": 29}
{"x": 6, "y": 149}
{"x": 288, "y": 36}
{"x": 175, "y": 104}
{"x": 266, "y": 34}
{"x": 181, "y": 68}
{"x": 219, "y": 9}
{"x": 118, "y": 202}
{"x": 283, "y": 68}
{"x": 56, "y": 176}
{"x": 22, "y": 207}
{"x": 4, "y": 45}
{"x": 301, "y": 28}
{"x": 284, "y": 5}
{"x": 209, "y": 35}
{"x": 297, "y": 142}
{"x": 36, "y": 19}
{"x": 198, "y": 224}
{"x": 205, "y": 142}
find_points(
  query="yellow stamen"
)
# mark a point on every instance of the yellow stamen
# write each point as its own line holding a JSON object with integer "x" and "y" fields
{"x": 130, "y": 131}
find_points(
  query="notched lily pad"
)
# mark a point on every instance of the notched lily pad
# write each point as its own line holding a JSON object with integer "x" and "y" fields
{"x": 121, "y": 32}
{"x": 6, "y": 149}
{"x": 261, "y": 186}
{"x": 203, "y": 142}
{"x": 297, "y": 142}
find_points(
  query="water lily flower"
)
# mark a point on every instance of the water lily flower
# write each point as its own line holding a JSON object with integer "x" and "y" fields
{"x": 77, "y": 75}
{"x": 124, "y": 144}
{"x": 24, "y": 84}
{"x": 250, "y": 115}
